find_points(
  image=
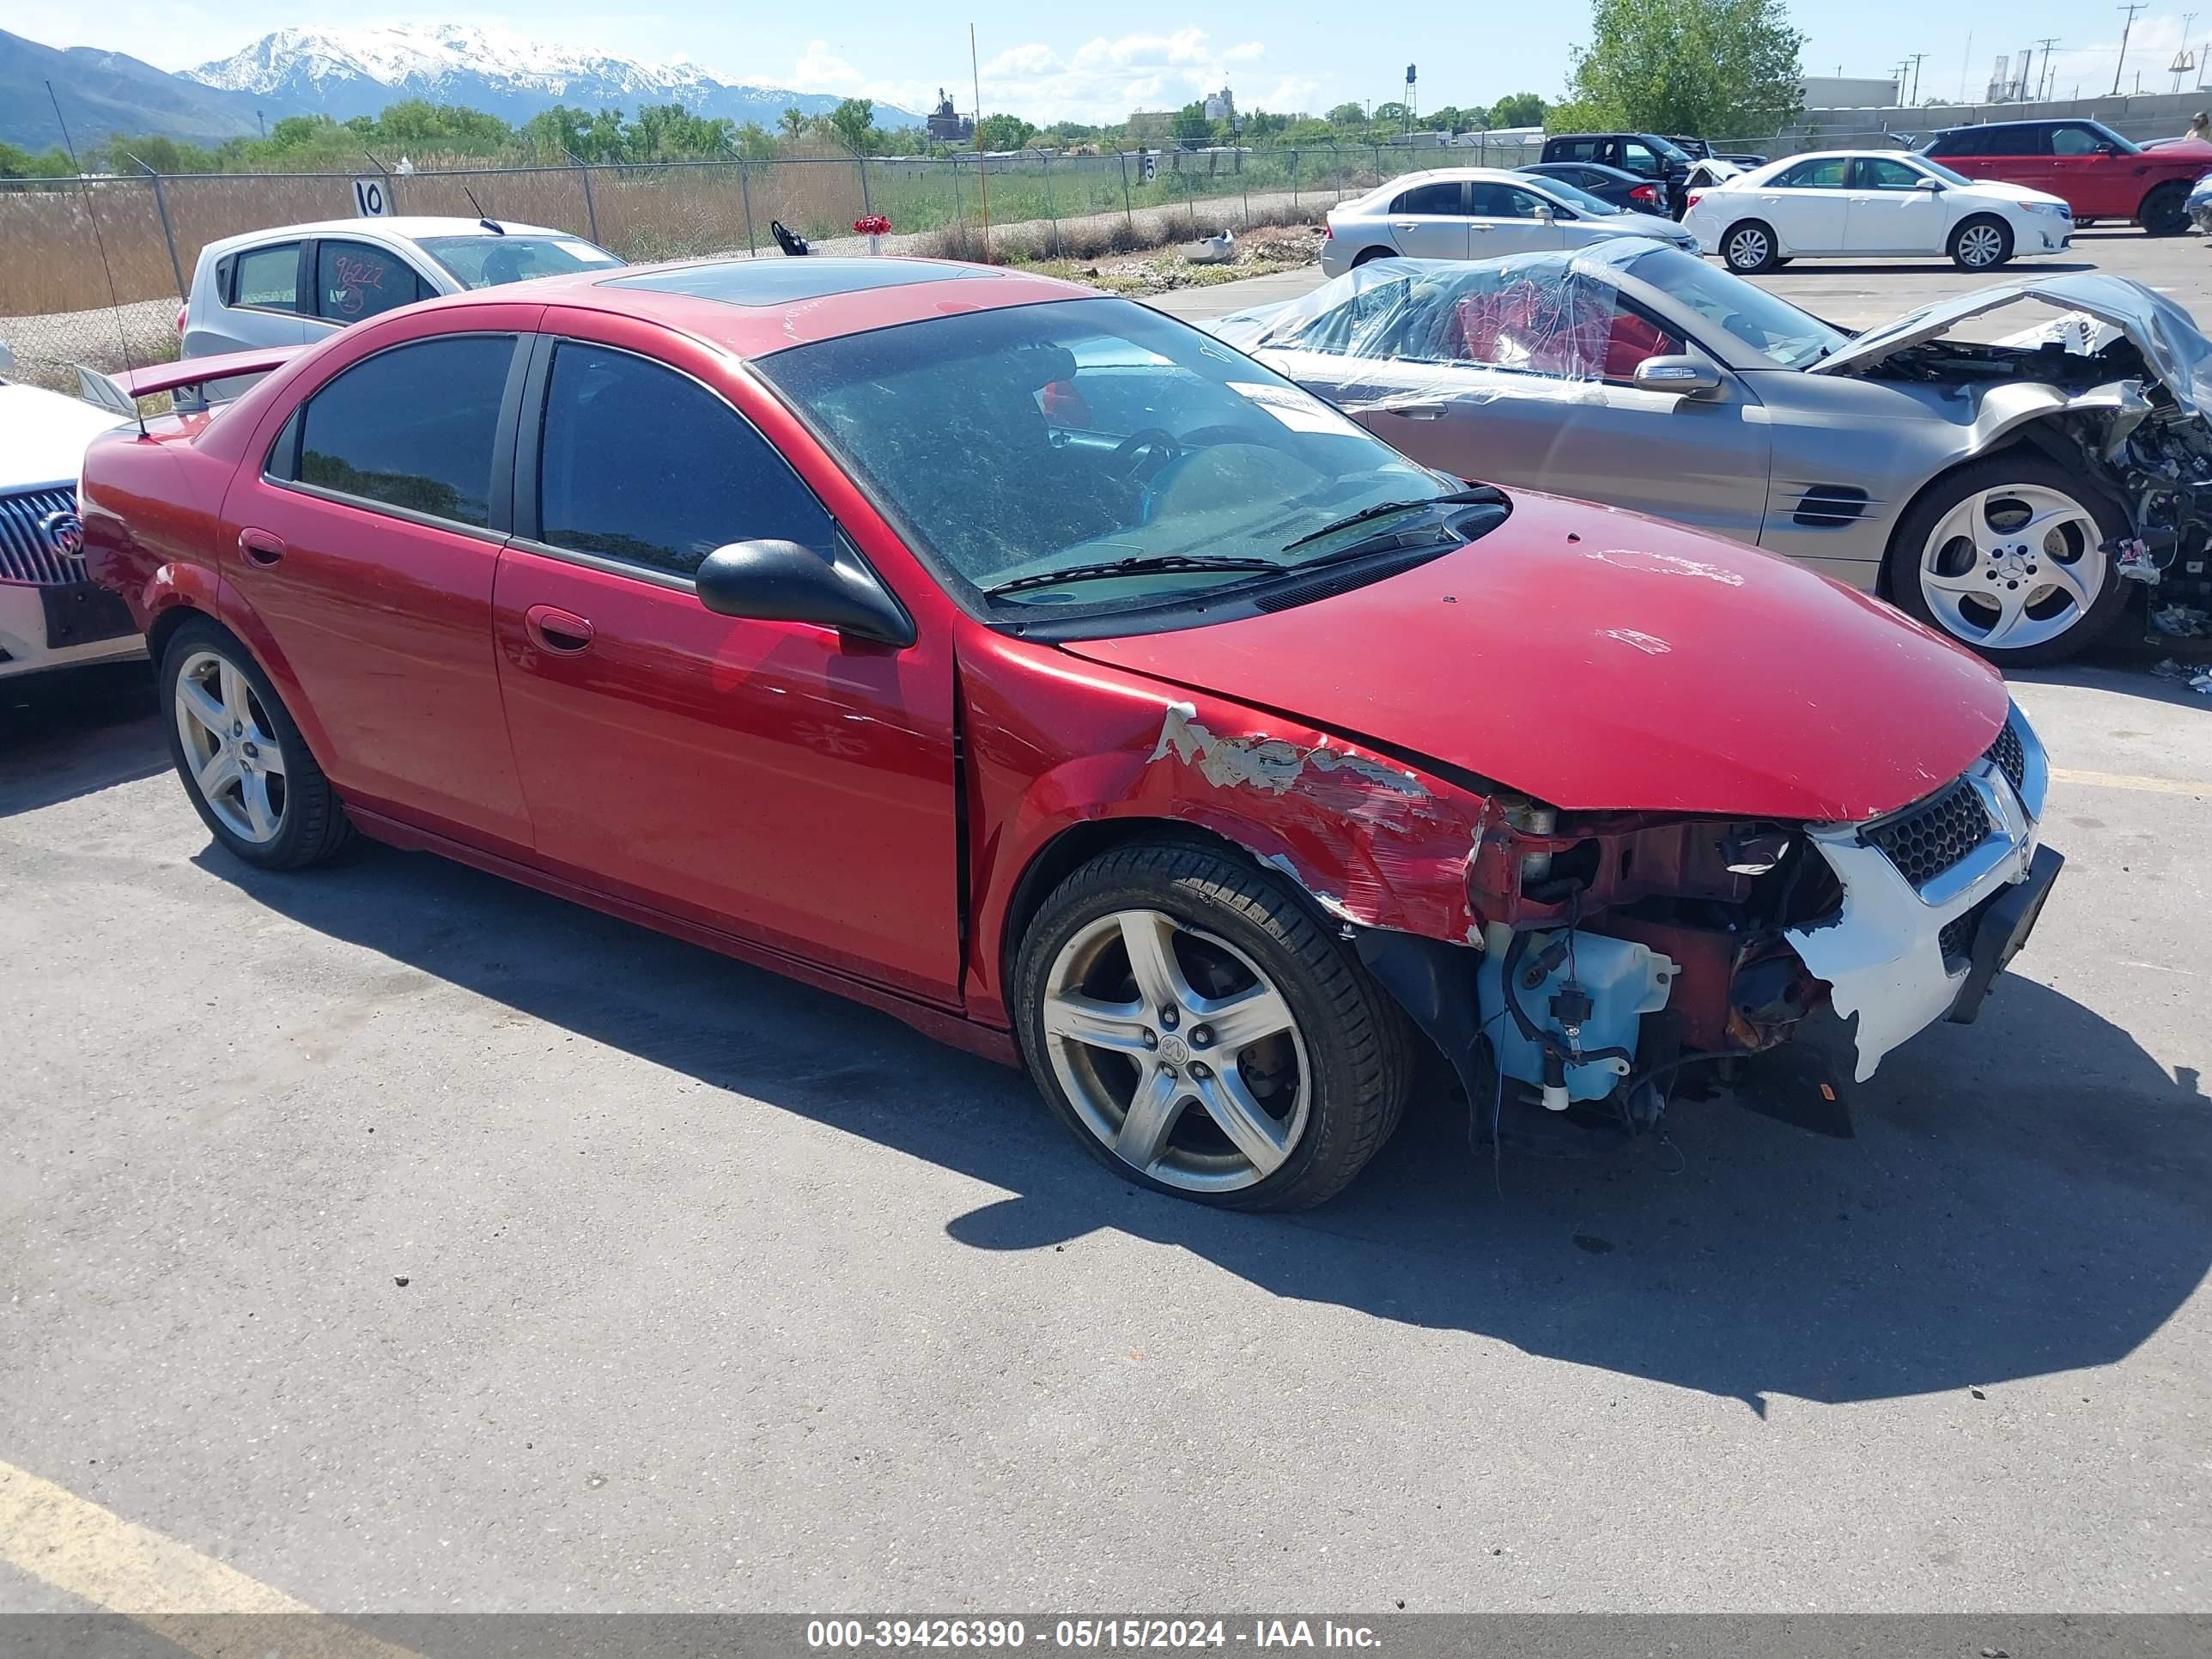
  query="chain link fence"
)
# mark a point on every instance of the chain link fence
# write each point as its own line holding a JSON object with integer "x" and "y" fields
{"x": 55, "y": 300}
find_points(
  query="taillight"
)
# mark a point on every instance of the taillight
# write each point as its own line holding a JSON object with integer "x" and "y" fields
{"x": 182, "y": 310}
{"x": 1327, "y": 231}
{"x": 1693, "y": 198}
{"x": 1645, "y": 194}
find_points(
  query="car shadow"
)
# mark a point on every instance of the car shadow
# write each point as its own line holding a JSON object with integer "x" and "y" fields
{"x": 75, "y": 730}
{"x": 1813, "y": 266}
{"x": 2021, "y": 1198}
{"x": 2126, "y": 670}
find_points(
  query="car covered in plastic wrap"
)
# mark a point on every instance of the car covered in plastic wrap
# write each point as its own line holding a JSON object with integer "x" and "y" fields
{"x": 2002, "y": 490}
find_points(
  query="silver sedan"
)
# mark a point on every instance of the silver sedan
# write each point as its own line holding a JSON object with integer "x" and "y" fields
{"x": 1477, "y": 213}
{"x": 2001, "y": 492}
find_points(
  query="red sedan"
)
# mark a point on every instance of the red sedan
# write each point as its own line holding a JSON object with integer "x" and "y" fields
{"x": 1036, "y": 668}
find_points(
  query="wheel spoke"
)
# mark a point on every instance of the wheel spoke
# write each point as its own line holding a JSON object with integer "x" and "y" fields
{"x": 272, "y": 757}
{"x": 2067, "y": 579}
{"x": 1118, "y": 1026}
{"x": 217, "y": 774}
{"x": 2012, "y": 605}
{"x": 1968, "y": 584}
{"x": 1149, "y": 938}
{"x": 254, "y": 789}
{"x": 233, "y": 697}
{"x": 2038, "y": 527}
{"x": 1151, "y": 1117}
{"x": 203, "y": 706}
{"x": 1230, "y": 1103}
{"x": 1237, "y": 1022}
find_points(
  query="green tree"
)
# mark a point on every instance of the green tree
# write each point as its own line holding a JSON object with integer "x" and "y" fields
{"x": 794, "y": 121}
{"x": 1518, "y": 109}
{"x": 1262, "y": 124}
{"x": 124, "y": 154}
{"x": 555, "y": 134}
{"x": 1190, "y": 125}
{"x": 1347, "y": 115}
{"x": 853, "y": 121}
{"x": 1702, "y": 66}
{"x": 754, "y": 142}
{"x": 52, "y": 163}
{"x": 1004, "y": 132}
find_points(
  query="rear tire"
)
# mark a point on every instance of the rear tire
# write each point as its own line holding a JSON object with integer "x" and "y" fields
{"x": 1281, "y": 1121}
{"x": 1747, "y": 248}
{"x": 1367, "y": 255}
{"x": 1981, "y": 243}
{"x": 2165, "y": 212}
{"x": 243, "y": 762}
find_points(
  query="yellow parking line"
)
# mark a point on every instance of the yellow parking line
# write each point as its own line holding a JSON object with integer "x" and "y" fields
{"x": 186, "y": 1598}
{"x": 2123, "y": 781}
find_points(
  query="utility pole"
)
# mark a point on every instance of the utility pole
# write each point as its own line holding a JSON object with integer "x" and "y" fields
{"x": 1916, "y": 59}
{"x": 2126, "y": 29}
{"x": 2044, "y": 79}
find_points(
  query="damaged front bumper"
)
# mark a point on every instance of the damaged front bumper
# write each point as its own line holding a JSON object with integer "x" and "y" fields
{"x": 1937, "y": 897}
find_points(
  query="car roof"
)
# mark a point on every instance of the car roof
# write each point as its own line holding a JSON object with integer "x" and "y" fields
{"x": 405, "y": 228}
{"x": 753, "y": 307}
{"x": 1445, "y": 175}
{"x": 1619, "y": 175}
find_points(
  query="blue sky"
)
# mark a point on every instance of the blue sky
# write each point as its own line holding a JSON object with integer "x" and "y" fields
{"x": 1097, "y": 62}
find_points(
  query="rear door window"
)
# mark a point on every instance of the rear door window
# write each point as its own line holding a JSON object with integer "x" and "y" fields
{"x": 267, "y": 278}
{"x": 2076, "y": 140}
{"x": 641, "y": 463}
{"x": 1489, "y": 199}
{"x": 413, "y": 428}
{"x": 1431, "y": 199}
{"x": 356, "y": 280}
{"x": 1825, "y": 174}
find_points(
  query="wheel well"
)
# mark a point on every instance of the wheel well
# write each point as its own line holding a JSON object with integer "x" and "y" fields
{"x": 2156, "y": 190}
{"x": 158, "y": 632}
{"x": 2022, "y": 441}
{"x": 1735, "y": 225}
{"x": 1367, "y": 254}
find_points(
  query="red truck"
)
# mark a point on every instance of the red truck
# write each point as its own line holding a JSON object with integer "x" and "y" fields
{"x": 2101, "y": 175}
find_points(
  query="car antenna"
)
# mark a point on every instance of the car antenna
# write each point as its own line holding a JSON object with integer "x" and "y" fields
{"x": 483, "y": 218}
{"x": 114, "y": 305}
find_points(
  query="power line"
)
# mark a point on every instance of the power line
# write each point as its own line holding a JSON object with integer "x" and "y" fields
{"x": 2126, "y": 30}
{"x": 2044, "y": 79}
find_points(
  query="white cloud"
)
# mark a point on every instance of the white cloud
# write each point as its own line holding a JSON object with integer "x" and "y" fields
{"x": 821, "y": 70}
{"x": 1105, "y": 78}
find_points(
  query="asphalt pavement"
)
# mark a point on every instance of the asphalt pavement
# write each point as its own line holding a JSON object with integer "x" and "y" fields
{"x": 390, "y": 1238}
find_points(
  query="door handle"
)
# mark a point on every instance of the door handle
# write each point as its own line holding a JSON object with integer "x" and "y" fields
{"x": 1416, "y": 411}
{"x": 1405, "y": 224}
{"x": 260, "y": 546}
{"x": 562, "y": 632}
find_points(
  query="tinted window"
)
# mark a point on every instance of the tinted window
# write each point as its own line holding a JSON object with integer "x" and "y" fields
{"x": 1967, "y": 142}
{"x": 1429, "y": 198}
{"x": 2075, "y": 140}
{"x": 412, "y": 427}
{"x": 491, "y": 261}
{"x": 1827, "y": 172}
{"x": 2015, "y": 138}
{"x": 269, "y": 277}
{"x": 1880, "y": 173}
{"x": 1492, "y": 200}
{"x": 1638, "y": 158}
{"x": 354, "y": 280}
{"x": 640, "y": 464}
{"x": 1578, "y": 150}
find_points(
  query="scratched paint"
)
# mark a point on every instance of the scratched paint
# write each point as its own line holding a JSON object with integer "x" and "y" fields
{"x": 1664, "y": 564}
{"x": 1650, "y": 644}
{"x": 1266, "y": 763}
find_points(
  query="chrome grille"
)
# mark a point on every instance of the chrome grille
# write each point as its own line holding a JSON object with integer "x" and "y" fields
{"x": 2011, "y": 759}
{"x": 1926, "y": 841}
{"x": 25, "y": 556}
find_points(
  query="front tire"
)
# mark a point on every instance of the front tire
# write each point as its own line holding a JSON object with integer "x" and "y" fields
{"x": 2165, "y": 212}
{"x": 243, "y": 764}
{"x": 1748, "y": 247}
{"x": 1199, "y": 1030}
{"x": 2006, "y": 556}
{"x": 1981, "y": 243}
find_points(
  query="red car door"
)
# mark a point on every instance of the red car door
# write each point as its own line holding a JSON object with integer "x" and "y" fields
{"x": 776, "y": 780}
{"x": 362, "y": 550}
{"x": 2097, "y": 181}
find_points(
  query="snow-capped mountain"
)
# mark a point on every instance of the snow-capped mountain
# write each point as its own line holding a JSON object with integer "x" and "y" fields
{"x": 345, "y": 72}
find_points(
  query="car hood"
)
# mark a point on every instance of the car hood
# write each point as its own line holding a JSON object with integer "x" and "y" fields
{"x": 42, "y": 435}
{"x": 2165, "y": 335}
{"x": 2010, "y": 192}
{"x": 1632, "y": 223}
{"x": 1600, "y": 660}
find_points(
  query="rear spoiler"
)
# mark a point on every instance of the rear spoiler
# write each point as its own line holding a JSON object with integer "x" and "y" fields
{"x": 120, "y": 392}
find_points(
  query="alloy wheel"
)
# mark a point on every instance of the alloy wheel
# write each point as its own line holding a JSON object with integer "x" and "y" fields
{"x": 237, "y": 764}
{"x": 1749, "y": 249}
{"x": 1980, "y": 247}
{"x": 2013, "y": 567}
{"x": 1176, "y": 1052}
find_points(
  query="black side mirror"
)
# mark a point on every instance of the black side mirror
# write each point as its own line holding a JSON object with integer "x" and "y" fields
{"x": 782, "y": 582}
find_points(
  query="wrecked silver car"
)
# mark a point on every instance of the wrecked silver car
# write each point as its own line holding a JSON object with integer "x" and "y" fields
{"x": 2002, "y": 491}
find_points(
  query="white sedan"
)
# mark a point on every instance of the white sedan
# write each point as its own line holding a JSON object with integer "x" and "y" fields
{"x": 1860, "y": 203}
{"x": 50, "y": 616}
{"x": 1477, "y": 213}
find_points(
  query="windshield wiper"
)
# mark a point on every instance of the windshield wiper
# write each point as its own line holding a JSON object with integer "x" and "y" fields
{"x": 1134, "y": 566}
{"x": 1473, "y": 492}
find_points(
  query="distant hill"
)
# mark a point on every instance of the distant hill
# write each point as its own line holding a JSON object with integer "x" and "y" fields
{"x": 105, "y": 92}
{"x": 345, "y": 72}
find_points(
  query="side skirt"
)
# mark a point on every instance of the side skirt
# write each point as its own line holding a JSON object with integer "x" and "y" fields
{"x": 942, "y": 1026}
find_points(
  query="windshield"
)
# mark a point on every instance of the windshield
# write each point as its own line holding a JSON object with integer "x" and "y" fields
{"x": 1790, "y": 337}
{"x": 2125, "y": 146}
{"x": 1581, "y": 200}
{"x": 1927, "y": 164}
{"x": 491, "y": 261}
{"x": 1018, "y": 444}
